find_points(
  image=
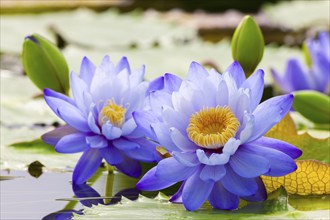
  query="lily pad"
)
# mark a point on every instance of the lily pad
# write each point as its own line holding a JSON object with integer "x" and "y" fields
{"x": 299, "y": 14}
{"x": 313, "y": 147}
{"x": 159, "y": 208}
{"x": 107, "y": 30}
{"x": 19, "y": 158}
{"x": 310, "y": 178}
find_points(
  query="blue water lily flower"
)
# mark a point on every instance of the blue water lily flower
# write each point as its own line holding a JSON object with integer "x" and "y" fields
{"x": 99, "y": 119}
{"x": 298, "y": 77}
{"x": 213, "y": 126}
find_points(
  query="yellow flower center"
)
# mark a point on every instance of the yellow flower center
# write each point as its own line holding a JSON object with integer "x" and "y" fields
{"x": 212, "y": 127}
{"x": 113, "y": 113}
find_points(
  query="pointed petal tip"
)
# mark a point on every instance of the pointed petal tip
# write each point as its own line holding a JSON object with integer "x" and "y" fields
{"x": 236, "y": 63}
{"x": 106, "y": 59}
{"x": 261, "y": 72}
{"x": 140, "y": 185}
{"x": 194, "y": 63}
{"x": 298, "y": 153}
{"x": 47, "y": 91}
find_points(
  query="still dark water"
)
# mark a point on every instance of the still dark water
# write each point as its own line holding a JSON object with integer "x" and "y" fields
{"x": 52, "y": 196}
{"x": 27, "y": 197}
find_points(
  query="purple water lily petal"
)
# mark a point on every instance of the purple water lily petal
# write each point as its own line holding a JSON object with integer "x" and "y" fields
{"x": 97, "y": 141}
{"x": 88, "y": 195}
{"x": 249, "y": 165}
{"x": 238, "y": 185}
{"x": 156, "y": 84}
{"x": 151, "y": 182}
{"x": 92, "y": 124}
{"x": 146, "y": 152}
{"x": 68, "y": 112}
{"x": 86, "y": 166}
{"x": 124, "y": 145}
{"x": 285, "y": 147}
{"x": 195, "y": 192}
{"x": 281, "y": 81}
{"x": 111, "y": 132}
{"x": 173, "y": 119}
{"x": 260, "y": 195}
{"x": 123, "y": 65}
{"x": 177, "y": 197}
{"x": 73, "y": 117}
{"x": 111, "y": 154}
{"x": 296, "y": 75}
{"x": 280, "y": 163}
{"x": 87, "y": 70}
{"x": 196, "y": 72}
{"x": 136, "y": 99}
{"x": 128, "y": 127}
{"x": 213, "y": 159}
{"x": 52, "y": 93}
{"x": 130, "y": 167}
{"x": 188, "y": 159}
{"x": 80, "y": 93}
{"x": 256, "y": 85}
{"x": 222, "y": 95}
{"x": 162, "y": 130}
{"x": 221, "y": 198}
{"x": 165, "y": 170}
{"x": 72, "y": 143}
{"x": 212, "y": 173}
{"x": 208, "y": 90}
{"x": 182, "y": 141}
{"x": 54, "y": 136}
{"x": 236, "y": 72}
{"x": 171, "y": 82}
{"x": 320, "y": 73}
{"x": 158, "y": 99}
{"x": 144, "y": 119}
{"x": 137, "y": 76}
{"x": 269, "y": 113}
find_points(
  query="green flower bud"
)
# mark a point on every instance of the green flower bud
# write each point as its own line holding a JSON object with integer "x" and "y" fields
{"x": 44, "y": 64}
{"x": 313, "y": 105}
{"x": 247, "y": 45}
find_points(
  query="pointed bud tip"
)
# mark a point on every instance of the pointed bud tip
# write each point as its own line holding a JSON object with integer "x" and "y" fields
{"x": 32, "y": 38}
{"x": 247, "y": 44}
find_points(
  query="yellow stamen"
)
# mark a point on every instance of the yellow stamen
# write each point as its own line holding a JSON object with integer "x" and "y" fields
{"x": 113, "y": 113}
{"x": 212, "y": 127}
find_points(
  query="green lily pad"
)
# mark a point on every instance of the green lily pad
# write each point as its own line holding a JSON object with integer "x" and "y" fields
{"x": 299, "y": 14}
{"x": 159, "y": 208}
{"x": 19, "y": 158}
{"x": 313, "y": 143}
{"x": 107, "y": 30}
{"x": 18, "y": 107}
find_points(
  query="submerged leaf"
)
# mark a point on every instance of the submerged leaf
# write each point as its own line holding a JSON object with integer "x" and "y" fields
{"x": 35, "y": 169}
{"x": 310, "y": 178}
{"x": 312, "y": 147}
